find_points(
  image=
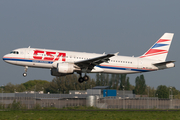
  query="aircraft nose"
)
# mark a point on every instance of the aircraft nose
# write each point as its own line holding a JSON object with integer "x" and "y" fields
{"x": 5, "y": 57}
{"x": 8, "y": 59}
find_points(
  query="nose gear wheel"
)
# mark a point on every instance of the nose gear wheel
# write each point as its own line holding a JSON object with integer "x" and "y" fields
{"x": 24, "y": 74}
{"x": 25, "y": 71}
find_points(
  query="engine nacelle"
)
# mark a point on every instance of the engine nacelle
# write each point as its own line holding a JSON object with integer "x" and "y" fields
{"x": 54, "y": 72}
{"x": 65, "y": 67}
{"x": 62, "y": 69}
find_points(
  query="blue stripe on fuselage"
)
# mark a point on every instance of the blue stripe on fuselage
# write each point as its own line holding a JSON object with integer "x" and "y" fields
{"x": 50, "y": 62}
{"x": 25, "y": 60}
{"x": 13, "y": 59}
{"x": 119, "y": 68}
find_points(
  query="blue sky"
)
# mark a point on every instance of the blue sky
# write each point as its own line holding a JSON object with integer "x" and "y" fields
{"x": 128, "y": 27}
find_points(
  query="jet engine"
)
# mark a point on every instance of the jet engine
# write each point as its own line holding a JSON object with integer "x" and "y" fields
{"x": 61, "y": 69}
{"x": 54, "y": 72}
{"x": 65, "y": 67}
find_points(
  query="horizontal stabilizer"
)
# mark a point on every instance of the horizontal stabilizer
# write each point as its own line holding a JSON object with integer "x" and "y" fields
{"x": 163, "y": 63}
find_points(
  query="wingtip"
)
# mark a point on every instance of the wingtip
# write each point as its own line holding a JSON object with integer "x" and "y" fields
{"x": 116, "y": 53}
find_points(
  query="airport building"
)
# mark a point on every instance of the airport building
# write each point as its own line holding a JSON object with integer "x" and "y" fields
{"x": 99, "y": 96}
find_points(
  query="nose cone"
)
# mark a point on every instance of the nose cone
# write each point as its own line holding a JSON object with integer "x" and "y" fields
{"x": 9, "y": 59}
{"x": 5, "y": 57}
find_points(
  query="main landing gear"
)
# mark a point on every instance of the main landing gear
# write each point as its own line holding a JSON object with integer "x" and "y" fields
{"x": 82, "y": 79}
{"x": 25, "y": 71}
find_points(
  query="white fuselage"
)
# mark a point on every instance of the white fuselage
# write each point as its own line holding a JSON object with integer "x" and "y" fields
{"x": 44, "y": 58}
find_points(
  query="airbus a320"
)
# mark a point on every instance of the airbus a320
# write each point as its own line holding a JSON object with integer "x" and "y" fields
{"x": 63, "y": 63}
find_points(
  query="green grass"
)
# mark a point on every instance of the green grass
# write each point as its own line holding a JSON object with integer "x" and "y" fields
{"x": 89, "y": 115}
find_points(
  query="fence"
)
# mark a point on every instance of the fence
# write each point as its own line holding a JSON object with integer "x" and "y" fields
{"x": 70, "y": 100}
{"x": 141, "y": 103}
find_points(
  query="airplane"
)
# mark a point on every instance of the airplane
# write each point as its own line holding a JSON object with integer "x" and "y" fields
{"x": 63, "y": 63}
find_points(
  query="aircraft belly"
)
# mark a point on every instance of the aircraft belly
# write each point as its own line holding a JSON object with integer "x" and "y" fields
{"x": 42, "y": 65}
{"x": 11, "y": 62}
{"x": 119, "y": 71}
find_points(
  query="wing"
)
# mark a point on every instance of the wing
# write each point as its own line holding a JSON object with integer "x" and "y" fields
{"x": 90, "y": 63}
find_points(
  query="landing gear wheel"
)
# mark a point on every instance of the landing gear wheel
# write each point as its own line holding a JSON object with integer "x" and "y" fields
{"x": 25, "y": 71}
{"x": 80, "y": 79}
{"x": 86, "y": 78}
{"x": 24, "y": 74}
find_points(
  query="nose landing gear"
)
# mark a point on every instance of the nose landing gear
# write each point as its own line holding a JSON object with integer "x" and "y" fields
{"x": 25, "y": 71}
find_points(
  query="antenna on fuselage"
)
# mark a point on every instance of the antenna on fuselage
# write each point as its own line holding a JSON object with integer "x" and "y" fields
{"x": 29, "y": 47}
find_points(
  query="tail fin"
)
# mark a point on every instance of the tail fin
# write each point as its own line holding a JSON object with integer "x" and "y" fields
{"x": 160, "y": 49}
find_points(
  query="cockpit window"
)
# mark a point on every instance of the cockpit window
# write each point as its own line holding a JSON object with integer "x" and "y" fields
{"x": 14, "y": 52}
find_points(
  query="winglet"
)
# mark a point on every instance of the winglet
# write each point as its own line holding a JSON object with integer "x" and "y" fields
{"x": 116, "y": 53}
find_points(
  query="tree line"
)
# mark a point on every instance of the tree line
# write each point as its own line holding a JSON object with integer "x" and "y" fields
{"x": 114, "y": 81}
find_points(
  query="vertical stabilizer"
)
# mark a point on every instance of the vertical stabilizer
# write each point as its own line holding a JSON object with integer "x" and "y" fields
{"x": 160, "y": 49}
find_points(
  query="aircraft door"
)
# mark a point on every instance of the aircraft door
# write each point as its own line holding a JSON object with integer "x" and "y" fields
{"x": 140, "y": 63}
{"x": 27, "y": 53}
